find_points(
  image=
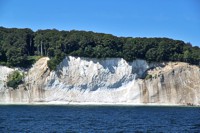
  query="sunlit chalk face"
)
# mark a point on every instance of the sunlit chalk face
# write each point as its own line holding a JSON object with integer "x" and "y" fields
{"x": 95, "y": 80}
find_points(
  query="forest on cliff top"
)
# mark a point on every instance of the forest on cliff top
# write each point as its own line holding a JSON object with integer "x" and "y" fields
{"x": 19, "y": 47}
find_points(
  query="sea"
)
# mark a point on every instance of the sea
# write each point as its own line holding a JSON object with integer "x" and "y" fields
{"x": 98, "y": 119}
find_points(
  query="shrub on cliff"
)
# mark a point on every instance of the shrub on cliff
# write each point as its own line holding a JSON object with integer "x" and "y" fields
{"x": 14, "y": 79}
{"x": 53, "y": 62}
{"x": 148, "y": 76}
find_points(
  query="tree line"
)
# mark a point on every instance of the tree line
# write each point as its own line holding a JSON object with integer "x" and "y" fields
{"x": 18, "y": 45}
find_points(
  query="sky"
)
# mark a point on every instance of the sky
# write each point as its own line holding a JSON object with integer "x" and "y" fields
{"x": 176, "y": 19}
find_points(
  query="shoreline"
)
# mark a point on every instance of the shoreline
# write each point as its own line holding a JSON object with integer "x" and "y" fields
{"x": 59, "y": 103}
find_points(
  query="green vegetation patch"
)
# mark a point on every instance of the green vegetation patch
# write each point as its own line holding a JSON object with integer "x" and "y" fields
{"x": 14, "y": 79}
{"x": 54, "y": 61}
{"x": 21, "y": 47}
{"x": 148, "y": 77}
{"x": 31, "y": 60}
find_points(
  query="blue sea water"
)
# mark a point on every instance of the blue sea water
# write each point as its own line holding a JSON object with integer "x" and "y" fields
{"x": 113, "y": 119}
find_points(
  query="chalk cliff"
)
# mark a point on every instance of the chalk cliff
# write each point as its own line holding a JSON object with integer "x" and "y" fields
{"x": 175, "y": 83}
{"x": 111, "y": 80}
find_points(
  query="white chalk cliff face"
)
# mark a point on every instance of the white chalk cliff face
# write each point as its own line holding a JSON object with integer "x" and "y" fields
{"x": 112, "y": 80}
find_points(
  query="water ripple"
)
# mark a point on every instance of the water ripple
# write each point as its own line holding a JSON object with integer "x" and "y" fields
{"x": 56, "y": 119}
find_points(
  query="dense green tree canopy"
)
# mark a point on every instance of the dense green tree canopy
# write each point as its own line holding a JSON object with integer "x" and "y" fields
{"x": 16, "y": 45}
